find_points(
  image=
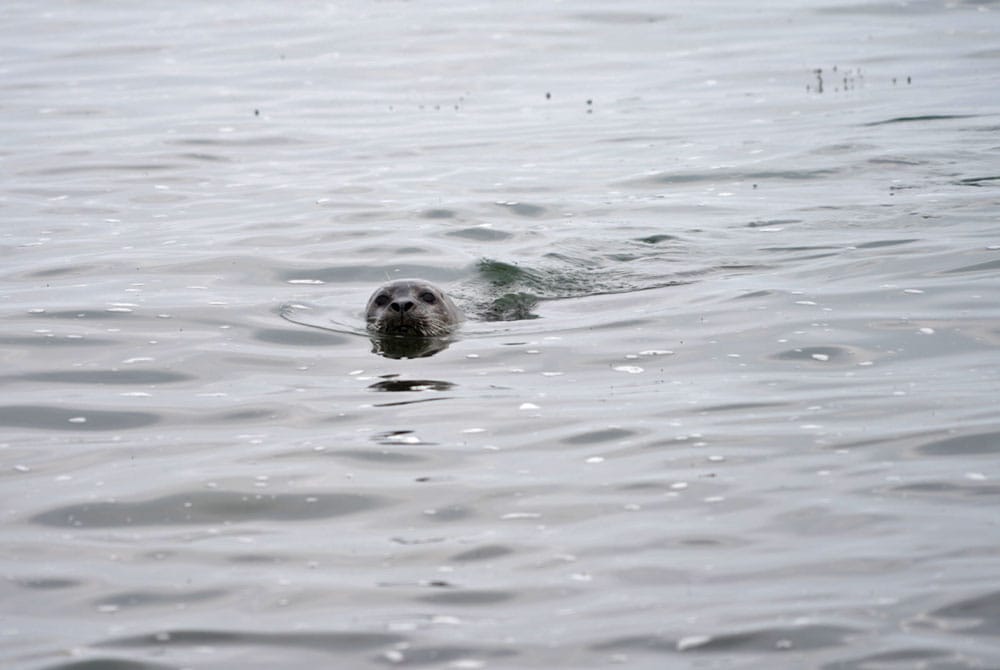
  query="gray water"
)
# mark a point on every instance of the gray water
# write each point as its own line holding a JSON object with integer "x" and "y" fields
{"x": 754, "y": 424}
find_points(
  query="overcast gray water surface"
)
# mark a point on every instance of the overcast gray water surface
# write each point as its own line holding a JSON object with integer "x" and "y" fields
{"x": 754, "y": 424}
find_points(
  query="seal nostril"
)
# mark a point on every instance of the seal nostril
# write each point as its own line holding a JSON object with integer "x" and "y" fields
{"x": 401, "y": 305}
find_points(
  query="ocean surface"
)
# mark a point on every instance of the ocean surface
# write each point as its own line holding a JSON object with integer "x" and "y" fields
{"x": 727, "y": 391}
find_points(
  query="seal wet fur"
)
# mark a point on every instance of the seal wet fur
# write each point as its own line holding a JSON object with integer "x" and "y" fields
{"x": 411, "y": 308}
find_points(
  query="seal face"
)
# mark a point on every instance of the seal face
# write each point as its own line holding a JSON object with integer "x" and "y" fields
{"x": 411, "y": 307}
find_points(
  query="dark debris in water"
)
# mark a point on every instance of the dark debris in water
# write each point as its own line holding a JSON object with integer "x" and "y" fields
{"x": 842, "y": 80}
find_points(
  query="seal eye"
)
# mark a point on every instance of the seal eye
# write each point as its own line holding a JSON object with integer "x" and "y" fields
{"x": 428, "y": 297}
{"x": 382, "y": 300}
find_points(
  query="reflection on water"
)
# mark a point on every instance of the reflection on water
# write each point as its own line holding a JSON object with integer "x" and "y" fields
{"x": 725, "y": 396}
{"x": 408, "y": 346}
{"x": 397, "y": 385}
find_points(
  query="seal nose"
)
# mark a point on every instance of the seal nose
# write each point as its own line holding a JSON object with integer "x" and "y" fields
{"x": 401, "y": 306}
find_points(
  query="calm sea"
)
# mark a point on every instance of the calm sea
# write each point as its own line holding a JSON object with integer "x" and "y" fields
{"x": 748, "y": 417}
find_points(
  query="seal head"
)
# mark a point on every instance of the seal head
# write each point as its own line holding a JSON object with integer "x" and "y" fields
{"x": 411, "y": 308}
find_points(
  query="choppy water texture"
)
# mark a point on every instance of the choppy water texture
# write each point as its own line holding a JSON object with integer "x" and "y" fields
{"x": 754, "y": 424}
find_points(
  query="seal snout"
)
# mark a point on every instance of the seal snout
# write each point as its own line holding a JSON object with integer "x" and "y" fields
{"x": 401, "y": 306}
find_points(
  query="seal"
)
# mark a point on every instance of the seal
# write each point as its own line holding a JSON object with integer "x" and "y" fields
{"x": 411, "y": 308}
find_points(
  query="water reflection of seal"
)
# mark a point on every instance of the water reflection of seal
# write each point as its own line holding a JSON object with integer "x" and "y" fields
{"x": 411, "y": 307}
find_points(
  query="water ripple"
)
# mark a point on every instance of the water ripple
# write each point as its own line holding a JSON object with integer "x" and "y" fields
{"x": 60, "y": 418}
{"x": 208, "y": 507}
